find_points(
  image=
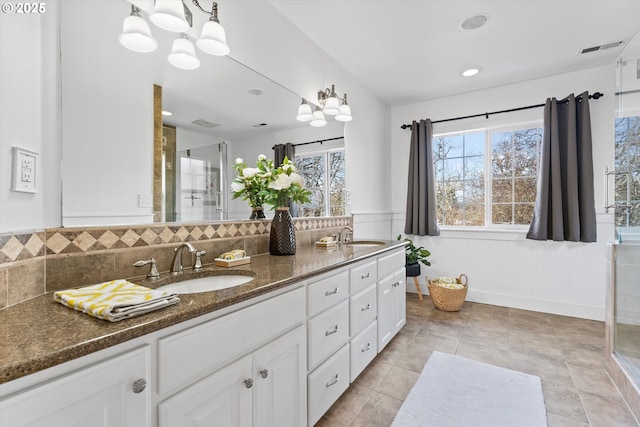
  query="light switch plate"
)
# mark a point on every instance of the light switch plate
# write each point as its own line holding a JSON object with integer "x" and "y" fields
{"x": 25, "y": 164}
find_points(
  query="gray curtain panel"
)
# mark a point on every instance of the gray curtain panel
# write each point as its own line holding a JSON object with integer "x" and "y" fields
{"x": 282, "y": 150}
{"x": 565, "y": 204}
{"x": 279, "y": 153}
{"x": 421, "y": 218}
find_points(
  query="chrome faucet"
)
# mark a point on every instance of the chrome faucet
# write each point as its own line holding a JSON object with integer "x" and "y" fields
{"x": 349, "y": 235}
{"x": 176, "y": 265}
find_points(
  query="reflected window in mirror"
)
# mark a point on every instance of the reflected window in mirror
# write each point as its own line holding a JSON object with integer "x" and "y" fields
{"x": 324, "y": 173}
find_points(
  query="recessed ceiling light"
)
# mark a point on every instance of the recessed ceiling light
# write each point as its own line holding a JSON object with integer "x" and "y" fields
{"x": 166, "y": 113}
{"x": 471, "y": 71}
{"x": 474, "y": 22}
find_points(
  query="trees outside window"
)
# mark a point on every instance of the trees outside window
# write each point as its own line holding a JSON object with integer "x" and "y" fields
{"x": 324, "y": 176}
{"x": 627, "y": 166}
{"x": 486, "y": 178}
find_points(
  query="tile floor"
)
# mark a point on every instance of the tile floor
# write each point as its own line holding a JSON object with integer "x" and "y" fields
{"x": 566, "y": 353}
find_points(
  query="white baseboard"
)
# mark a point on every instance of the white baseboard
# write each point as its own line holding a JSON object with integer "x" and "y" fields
{"x": 543, "y": 306}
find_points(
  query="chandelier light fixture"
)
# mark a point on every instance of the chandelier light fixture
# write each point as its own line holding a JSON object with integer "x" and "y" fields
{"x": 331, "y": 105}
{"x": 174, "y": 16}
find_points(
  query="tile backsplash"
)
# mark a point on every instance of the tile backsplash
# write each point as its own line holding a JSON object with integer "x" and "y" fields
{"x": 33, "y": 263}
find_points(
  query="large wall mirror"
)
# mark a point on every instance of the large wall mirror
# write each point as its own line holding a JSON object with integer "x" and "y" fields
{"x": 108, "y": 118}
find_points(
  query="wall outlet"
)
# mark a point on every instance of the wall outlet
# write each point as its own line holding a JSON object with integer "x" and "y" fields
{"x": 25, "y": 170}
{"x": 145, "y": 200}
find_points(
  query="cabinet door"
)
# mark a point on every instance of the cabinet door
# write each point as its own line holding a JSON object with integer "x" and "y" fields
{"x": 280, "y": 382}
{"x": 221, "y": 399}
{"x": 100, "y": 395}
{"x": 391, "y": 307}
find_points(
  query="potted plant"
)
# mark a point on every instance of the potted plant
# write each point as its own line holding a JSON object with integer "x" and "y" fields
{"x": 413, "y": 257}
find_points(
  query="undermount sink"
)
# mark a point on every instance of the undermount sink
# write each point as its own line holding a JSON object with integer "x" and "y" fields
{"x": 206, "y": 284}
{"x": 364, "y": 243}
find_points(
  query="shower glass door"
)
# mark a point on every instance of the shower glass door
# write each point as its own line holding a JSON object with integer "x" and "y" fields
{"x": 626, "y": 267}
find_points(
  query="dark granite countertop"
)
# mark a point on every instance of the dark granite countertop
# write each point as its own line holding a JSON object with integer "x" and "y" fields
{"x": 40, "y": 333}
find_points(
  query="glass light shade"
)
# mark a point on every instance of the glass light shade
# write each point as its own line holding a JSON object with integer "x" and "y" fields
{"x": 332, "y": 106}
{"x": 345, "y": 114}
{"x": 318, "y": 119}
{"x": 136, "y": 35}
{"x": 183, "y": 54}
{"x": 213, "y": 39}
{"x": 304, "y": 113}
{"x": 169, "y": 15}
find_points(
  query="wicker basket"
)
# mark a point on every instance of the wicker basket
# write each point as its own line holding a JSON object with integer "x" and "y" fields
{"x": 449, "y": 299}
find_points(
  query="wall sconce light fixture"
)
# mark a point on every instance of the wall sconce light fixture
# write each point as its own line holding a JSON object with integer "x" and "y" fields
{"x": 174, "y": 16}
{"x": 331, "y": 104}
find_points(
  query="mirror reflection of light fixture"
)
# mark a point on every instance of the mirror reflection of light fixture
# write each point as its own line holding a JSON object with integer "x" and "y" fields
{"x": 318, "y": 119}
{"x": 136, "y": 34}
{"x": 174, "y": 16}
{"x": 333, "y": 105}
{"x": 304, "y": 112}
{"x": 183, "y": 54}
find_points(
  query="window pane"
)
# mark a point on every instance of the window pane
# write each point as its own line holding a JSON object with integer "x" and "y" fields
{"x": 524, "y": 213}
{"x": 336, "y": 184}
{"x": 474, "y": 144}
{"x": 453, "y": 169}
{"x": 502, "y": 190}
{"x": 452, "y": 146}
{"x": 526, "y": 139}
{"x": 474, "y": 191}
{"x": 501, "y": 213}
{"x": 502, "y": 164}
{"x": 474, "y": 167}
{"x": 312, "y": 170}
{"x": 474, "y": 215}
{"x": 526, "y": 163}
{"x": 501, "y": 142}
{"x": 525, "y": 190}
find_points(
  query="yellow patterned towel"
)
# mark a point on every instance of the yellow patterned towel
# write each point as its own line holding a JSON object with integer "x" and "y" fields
{"x": 115, "y": 300}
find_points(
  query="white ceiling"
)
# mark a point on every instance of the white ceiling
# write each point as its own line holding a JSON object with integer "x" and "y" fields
{"x": 406, "y": 51}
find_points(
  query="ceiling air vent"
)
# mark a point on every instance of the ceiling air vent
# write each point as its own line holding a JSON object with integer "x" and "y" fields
{"x": 205, "y": 124}
{"x": 602, "y": 47}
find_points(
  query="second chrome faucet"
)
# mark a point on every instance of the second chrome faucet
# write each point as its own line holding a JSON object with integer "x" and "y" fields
{"x": 176, "y": 265}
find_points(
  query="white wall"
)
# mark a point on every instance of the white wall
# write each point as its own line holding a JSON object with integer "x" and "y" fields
{"x": 503, "y": 267}
{"x": 28, "y": 116}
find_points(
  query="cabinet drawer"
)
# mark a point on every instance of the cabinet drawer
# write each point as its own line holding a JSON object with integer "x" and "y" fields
{"x": 363, "y": 349}
{"x": 363, "y": 310}
{"x": 390, "y": 263}
{"x": 327, "y": 292}
{"x": 327, "y": 383}
{"x": 327, "y": 332}
{"x": 361, "y": 276}
{"x": 189, "y": 354}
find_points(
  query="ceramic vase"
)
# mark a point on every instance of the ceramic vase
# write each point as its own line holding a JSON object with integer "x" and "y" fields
{"x": 257, "y": 213}
{"x": 282, "y": 237}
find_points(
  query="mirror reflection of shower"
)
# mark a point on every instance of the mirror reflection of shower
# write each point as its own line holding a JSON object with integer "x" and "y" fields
{"x": 192, "y": 185}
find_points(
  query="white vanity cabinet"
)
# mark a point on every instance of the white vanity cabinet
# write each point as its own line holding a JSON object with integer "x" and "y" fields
{"x": 112, "y": 393}
{"x": 264, "y": 389}
{"x": 225, "y": 380}
{"x": 392, "y": 311}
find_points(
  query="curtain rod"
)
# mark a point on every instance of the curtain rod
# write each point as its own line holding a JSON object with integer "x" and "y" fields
{"x": 596, "y": 95}
{"x": 314, "y": 142}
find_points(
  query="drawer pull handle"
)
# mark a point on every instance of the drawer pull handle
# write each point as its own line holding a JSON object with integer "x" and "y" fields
{"x": 331, "y": 332}
{"x": 248, "y": 383}
{"x": 368, "y": 347}
{"x": 395, "y": 285}
{"x": 333, "y": 381}
{"x": 366, "y": 276}
{"x": 335, "y": 291}
{"x": 368, "y": 307}
{"x": 139, "y": 385}
{"x": 264, "y": 373}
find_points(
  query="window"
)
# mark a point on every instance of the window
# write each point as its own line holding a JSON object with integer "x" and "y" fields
{"x": 627, "y": 166}
{"x": 324, "y": 177}
{"x": 486, "y": 178}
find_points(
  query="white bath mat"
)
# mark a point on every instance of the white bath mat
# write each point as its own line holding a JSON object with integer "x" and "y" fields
{"x": 453, "y": 391}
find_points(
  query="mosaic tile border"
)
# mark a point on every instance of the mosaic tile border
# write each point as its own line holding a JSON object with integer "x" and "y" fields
{"x": 22, "y": 246}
